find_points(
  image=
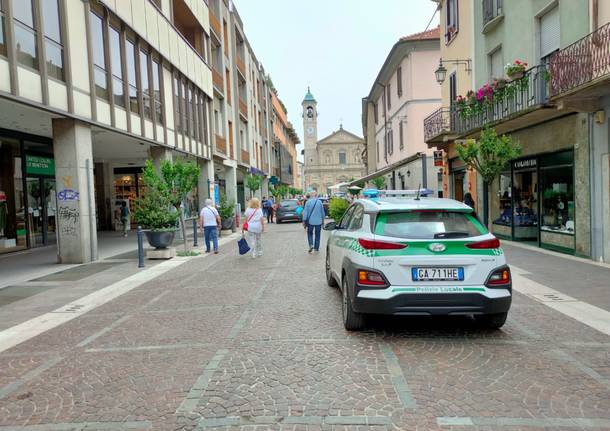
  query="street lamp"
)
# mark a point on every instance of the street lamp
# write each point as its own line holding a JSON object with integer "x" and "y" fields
{"x": 441, "y": 71}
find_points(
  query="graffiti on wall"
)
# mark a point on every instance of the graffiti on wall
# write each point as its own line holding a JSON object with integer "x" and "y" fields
{"x": 68, "y": 220}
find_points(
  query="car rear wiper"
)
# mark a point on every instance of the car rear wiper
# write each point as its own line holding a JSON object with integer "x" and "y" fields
{"x": 454, "y": 234}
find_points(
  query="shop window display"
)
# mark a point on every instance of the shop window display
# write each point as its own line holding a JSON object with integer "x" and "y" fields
{"x": 12, "y": 200}
{"x": 558, "y": 200}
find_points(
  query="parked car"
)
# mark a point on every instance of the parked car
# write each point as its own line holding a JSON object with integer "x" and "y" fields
{"x": 287, "y": 211}
{"x": 426, "y": 256}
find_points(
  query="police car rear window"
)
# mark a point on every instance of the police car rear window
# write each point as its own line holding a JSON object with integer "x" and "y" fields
{"x": 288, "y": 204}
{"x": 428, "y": 225}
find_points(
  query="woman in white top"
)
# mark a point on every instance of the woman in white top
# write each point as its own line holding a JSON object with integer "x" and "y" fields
{"x": 256, "y": 226}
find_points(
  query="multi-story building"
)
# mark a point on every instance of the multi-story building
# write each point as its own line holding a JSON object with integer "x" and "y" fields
{"x": 91, "y": 89}
{"x": 285, "y": 141}
{"x": 456, "y": 77}
{"x": 401, "y": 96}
{"x": 88, "y": 91}
{"x": 241, "y": 106}
{"x": 334, "y": 159}
{"x": 553, "y": 195}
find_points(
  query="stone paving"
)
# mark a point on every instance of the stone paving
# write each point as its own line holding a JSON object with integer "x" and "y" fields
{"x": 225, "y": 342}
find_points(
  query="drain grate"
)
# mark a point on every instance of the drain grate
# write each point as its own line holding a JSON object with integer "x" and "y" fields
{"x": 554, "y": 297}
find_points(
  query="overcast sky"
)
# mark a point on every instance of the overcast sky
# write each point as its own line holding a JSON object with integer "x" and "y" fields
{"x": 335, "y": 46}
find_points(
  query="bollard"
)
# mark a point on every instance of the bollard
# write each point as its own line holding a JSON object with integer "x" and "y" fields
{"x": 140, "y": 235}
{"x": 194, "y": 232}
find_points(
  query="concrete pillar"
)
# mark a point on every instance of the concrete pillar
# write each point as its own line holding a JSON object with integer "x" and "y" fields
{"x": 76, "y": 229}
{"x": 231, "y": 183}
{"x": 159, "y": 154}
{"x": 206, "y": 178}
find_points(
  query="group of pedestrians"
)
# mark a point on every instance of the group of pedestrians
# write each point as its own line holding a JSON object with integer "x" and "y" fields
{"x": 254, "y": 224}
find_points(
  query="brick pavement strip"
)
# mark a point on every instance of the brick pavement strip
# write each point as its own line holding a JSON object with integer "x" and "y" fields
{"x": 521, "y": 422}
{"x": 250, "y": 345}
{"x": 82, "y": 426}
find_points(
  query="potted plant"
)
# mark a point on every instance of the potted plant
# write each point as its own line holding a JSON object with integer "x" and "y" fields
{"x": 515, "y": 70}
{"x": 226, "y": 210}
{"x": 154, "y": 211}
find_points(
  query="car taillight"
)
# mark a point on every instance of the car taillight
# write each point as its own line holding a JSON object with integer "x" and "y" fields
{"x": 380, "y": 245}
{"x": 370, "y": 278}
{"x": 488, "y": 243}
{"x": 500, "y": 277}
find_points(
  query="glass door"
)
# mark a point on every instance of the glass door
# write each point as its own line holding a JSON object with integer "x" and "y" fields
{"x": 50, "y": 209}
{"x": 42, "y": 205}
{"x": 35, "y": 212}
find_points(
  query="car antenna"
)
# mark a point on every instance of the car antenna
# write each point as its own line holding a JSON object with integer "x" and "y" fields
{"x": 418, "y": 190}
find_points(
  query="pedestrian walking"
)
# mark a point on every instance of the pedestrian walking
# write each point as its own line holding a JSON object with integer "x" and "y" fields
{"x": 124, "y": 217}
{"x": 267, "y": 209}
{"x": 313, "y": 219}
{"x": 255, "y": 225}
{"x": 468, "y": 200}
{"x": 209, "y": 219}
{"x": 272, "y": 208}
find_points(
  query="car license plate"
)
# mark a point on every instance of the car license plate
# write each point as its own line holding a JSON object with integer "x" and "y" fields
{"x": 437, "y": 274}
{"x": 289, "y": 214}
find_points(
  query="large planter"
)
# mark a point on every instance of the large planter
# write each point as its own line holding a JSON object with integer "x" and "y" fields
{"x": 227, "y": 223}
{"x": 160, "y": 239}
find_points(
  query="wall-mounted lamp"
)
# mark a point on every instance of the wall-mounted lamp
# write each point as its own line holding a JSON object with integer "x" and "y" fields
{"x": 441, "y": 71}
{"x": 408, "y": 173}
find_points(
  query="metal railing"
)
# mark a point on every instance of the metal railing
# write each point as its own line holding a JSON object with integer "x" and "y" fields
{"x": 439, "y": 122}
{"x": 491, "y": 10}
{"x": 585, "y": 60}
{"x": 526, "y": 93}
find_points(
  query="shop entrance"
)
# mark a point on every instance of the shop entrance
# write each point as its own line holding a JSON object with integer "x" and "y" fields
{"x": 41, "y": 209}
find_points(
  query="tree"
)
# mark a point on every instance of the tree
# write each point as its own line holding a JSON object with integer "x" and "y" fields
{"x": 253, "y": 182}
{"x": 153, "y": 209}
{"x": 178, "y": 180}
{"x": 488, "y": 156}
{"x": 280, "y": 191}
{"x": 294, "y": 191}
{"x": 378, "y": 182}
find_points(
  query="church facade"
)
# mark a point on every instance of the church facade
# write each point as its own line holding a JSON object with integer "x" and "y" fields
{"x": 337, "y": 158}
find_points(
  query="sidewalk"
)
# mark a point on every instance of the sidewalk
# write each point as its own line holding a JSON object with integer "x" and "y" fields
{"x": 586, "y": 281}
{"x": 17, "y": 268}
{"x": 66, "y": 287}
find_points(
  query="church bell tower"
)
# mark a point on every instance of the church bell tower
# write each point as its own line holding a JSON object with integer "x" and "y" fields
{"x": 310, "y": 130}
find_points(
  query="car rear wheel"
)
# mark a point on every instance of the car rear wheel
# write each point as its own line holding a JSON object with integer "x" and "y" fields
{"x": 491, "y": 321}
{"x": 330, "y": 280}
{"x": 352, "y": 321}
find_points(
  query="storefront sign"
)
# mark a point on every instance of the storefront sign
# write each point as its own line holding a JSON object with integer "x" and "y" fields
{"x": 39, "y": 165}
{"x": 438, "y": 158}
{"x": 525, "y": 164}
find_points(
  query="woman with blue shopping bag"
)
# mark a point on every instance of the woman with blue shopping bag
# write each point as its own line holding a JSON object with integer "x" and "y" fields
{"x": 255, "y": 226}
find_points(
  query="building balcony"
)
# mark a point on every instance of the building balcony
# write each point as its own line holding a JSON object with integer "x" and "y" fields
{"x": 221, "y": 144}
{"x": 438, "y": 126}
{"x": 218, "y": 81}
{"x": 243, "y": 109}
{"x": 241, "y": 66}
{"x": 215, "y": 24}
{"x": 245, "y": 157}
{"x": 580, "y": 73}
{"x": 521, "y": 103}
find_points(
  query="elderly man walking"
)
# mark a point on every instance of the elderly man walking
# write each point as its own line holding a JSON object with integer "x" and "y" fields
{"x": 209, "y": 219}
{"x": 313, "y": 219}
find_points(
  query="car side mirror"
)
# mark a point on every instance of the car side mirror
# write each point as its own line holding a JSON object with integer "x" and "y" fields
{"x": 330, "y": 226}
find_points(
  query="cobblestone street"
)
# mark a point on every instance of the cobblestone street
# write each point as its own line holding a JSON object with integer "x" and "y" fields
{"x": 228, "y": 342}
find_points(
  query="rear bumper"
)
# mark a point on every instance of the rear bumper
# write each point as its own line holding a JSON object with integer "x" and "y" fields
{"x": 489, "y": 301}
{"x": 283, "y": 217}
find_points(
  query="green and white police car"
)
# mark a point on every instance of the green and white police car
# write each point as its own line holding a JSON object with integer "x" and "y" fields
{"x": 417, "y": 256}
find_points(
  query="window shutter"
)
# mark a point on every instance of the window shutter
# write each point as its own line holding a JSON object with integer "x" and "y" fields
{"x": 549, "y": 32}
